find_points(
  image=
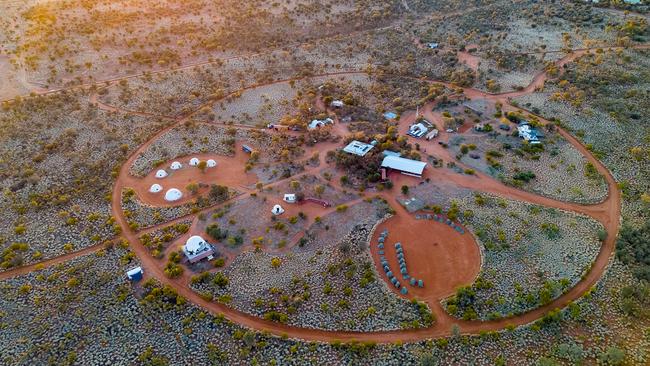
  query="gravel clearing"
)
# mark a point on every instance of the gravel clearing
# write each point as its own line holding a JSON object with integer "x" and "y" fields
{"x": 320, "y": 284}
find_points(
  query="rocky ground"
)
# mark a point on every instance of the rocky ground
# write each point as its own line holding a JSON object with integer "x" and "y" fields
{"x": 57, "y": 159}
{"x": 141, "y": 215}
{"x": 101, "y": 305}
{"x": 607, "y": 138}
{"x": 323, "y": 283}
{"x": 531, "y": 254}
{"x": 561, "y": 172}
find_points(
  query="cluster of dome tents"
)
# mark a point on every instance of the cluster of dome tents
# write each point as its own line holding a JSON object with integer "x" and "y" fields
{"x": 174, "y": 194}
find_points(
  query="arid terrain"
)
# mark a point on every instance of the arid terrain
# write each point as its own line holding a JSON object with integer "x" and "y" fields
{"x": 388, "y": 182}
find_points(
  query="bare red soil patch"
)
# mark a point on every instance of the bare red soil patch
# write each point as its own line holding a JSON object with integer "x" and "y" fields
{"x": 230, "y": 171}
{"x": 434, "y": 252}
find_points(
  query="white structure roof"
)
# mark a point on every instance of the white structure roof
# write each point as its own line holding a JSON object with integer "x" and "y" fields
{"x": 194, "y": 161}
{"x": 155, "y": 188}
{"x": 338, "y": 103}
{"x": 319, "y": 123}
{"x": 194, "y": 244}
{"x": 418, "y": 130}
{"x": 196, "y": 248}
{"x": 134, "y": 271}
{"x": 357, "y": 148}
{"x": 289, "y": 198}
{"x": 161, "y": 174}
{"x": 176, "y": 165}
{"x": 211, "y": 163}
{"x": 277, "y": 210}
{"x": 173, "y": 195}
{"x": 404, "y": 165}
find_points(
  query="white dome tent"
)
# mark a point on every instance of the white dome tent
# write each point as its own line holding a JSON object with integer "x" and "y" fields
{"x": 161, "y": 174}
{"x": 277, "y": 210}
{"x": 194, "y": 244}
{"x": 155, "y": 188}
{"x": 211, "y": 163}
{"x": 176, "y": 165}
{"x": 173, "y": 195}
{"x": 194, "y": 161}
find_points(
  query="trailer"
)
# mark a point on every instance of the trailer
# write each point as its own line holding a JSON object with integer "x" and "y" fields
{"x": 433, "y": 134}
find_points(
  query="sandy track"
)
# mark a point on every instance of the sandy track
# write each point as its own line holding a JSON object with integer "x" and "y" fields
{"x": 606, "y": 212}
{"x": 49, "y": 262}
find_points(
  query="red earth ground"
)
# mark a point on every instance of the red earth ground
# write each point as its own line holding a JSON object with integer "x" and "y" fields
{"x": 606, "y": 212}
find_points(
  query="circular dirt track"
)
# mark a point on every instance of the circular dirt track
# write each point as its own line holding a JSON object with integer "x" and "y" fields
{"x": 434, "y": 253}
{"x": 606, "y": 212}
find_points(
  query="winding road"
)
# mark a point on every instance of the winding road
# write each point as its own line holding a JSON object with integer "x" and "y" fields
{"x": 606, "y": 212}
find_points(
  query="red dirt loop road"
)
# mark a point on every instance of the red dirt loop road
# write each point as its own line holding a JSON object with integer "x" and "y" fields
{"x": 460, "y": 251}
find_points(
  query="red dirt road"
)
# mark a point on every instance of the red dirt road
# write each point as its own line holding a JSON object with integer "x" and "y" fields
{"x": 607, "y": 212}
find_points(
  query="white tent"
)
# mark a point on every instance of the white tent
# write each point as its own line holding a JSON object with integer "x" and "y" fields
{"x": 211, "y": 163}
{"x": 173, "y": 195}
{"x": 289, "y": 198}
{"x": 176, "y": 165}
{"x": 277, "y": 210}
{"x": 194, "y": 244}
{"x": 155, "y": 188}
{"x": 194, "y": 161}
{"x": 161, "y": 174}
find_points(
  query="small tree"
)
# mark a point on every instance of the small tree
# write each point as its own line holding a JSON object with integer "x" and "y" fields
{"x": 405, "y": 189}
{"x": 193, "y": 188}
{"x": 202, "y": 165}
{"x": 275, "y": 262}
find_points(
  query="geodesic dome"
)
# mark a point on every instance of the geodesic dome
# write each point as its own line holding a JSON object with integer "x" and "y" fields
{"x": 277, "y": 210}
{"x": 194, "y": 243}
{"x": 173, "y": 195}
{"x": 211, "y": 163}
{"x": 161, "y": 174}
{"x": 155, "y": 188}
{"x": 194, "y": 161}
{"x": 176, "y": 165}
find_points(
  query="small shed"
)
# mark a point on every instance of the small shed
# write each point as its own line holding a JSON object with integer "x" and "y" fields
{"x": 390, "y": 115}
{"x": 338, "y": 104}
{"x": 289, "y": 198}
{"x": 135, "y": 274}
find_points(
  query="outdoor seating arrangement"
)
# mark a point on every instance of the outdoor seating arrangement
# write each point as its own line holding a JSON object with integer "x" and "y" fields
{"x": 441, "y": 219}
{"x": 403, "y": 270}
{"x": 402, "y": 265}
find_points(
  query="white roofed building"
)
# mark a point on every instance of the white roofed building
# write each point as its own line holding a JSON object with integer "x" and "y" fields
{"x": 289, "y": 198}
{"x": 175, "y": 165}
{"x": 211, "y": 163}
{"x": 194, "y": 162}
{"x": 314, "y": 124}
{"x": 196, "y": 248}
{"x": 358, "y": 148}
{"x": 404, "y": 166}
{"x": 161, "y": 174}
